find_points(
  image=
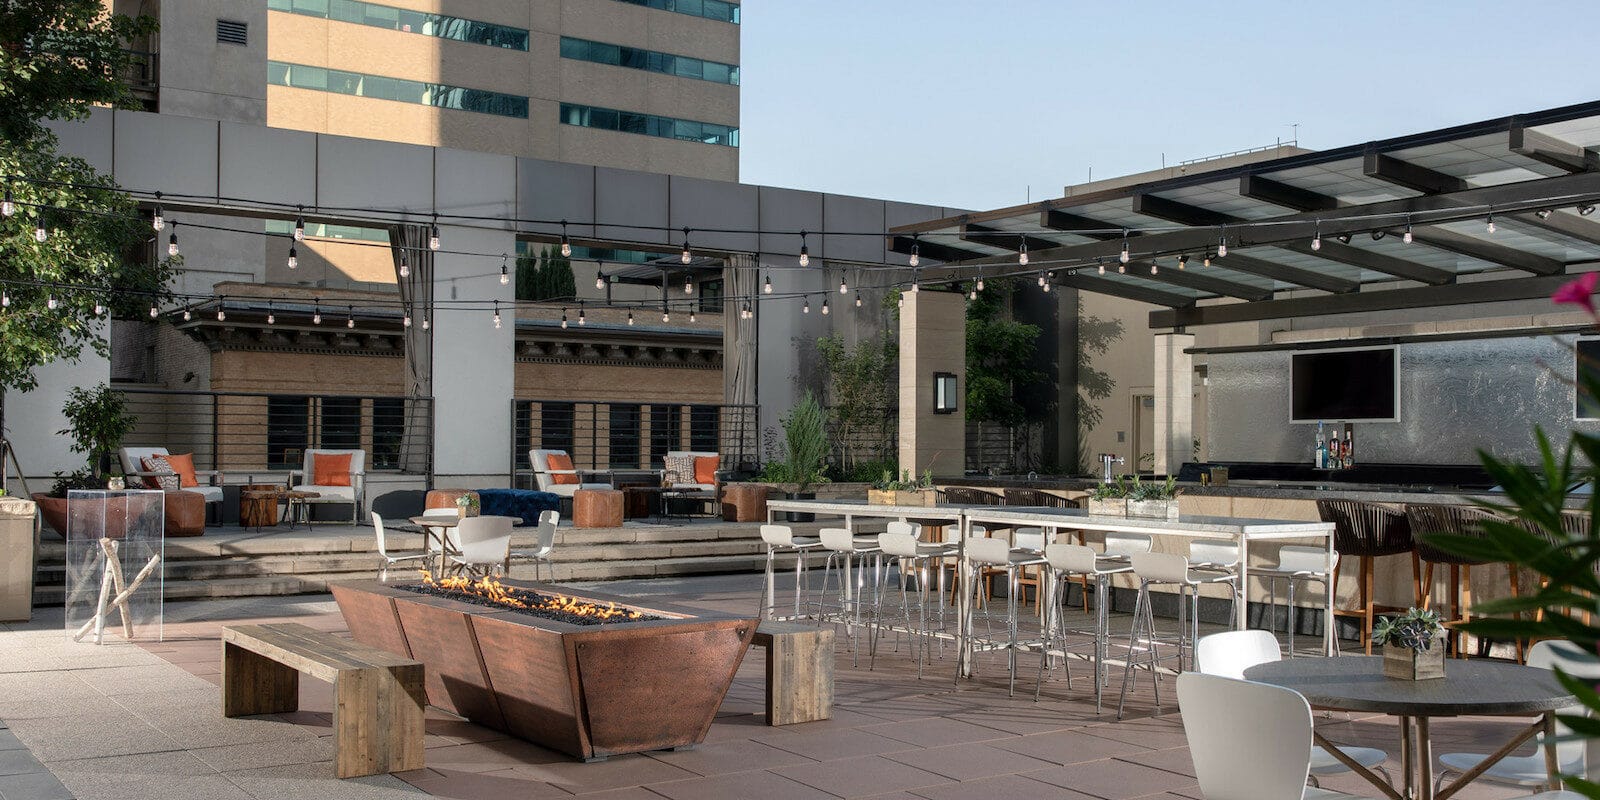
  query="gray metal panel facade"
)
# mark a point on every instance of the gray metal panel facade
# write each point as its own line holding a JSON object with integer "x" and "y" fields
{"x": 361, "y": 173}
{"x": 794, "y": 210}
{"x": 638, "y": 197}
{"x": 476, "y": 184}
{"x": 713, "y": 204}
{"x": 258, "y": 162}
{"x": 554, "y": 190}
{"x": 175, "y": 155}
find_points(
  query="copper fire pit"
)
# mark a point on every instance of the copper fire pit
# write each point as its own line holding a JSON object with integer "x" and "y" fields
{"x": 591, "y": 691}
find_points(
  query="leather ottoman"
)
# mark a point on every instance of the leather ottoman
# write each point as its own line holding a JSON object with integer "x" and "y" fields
{"x": 185, "y": 514}
{"x": 444, "y": 498}
{"x": 744, "y": 502}
{"x": 597, "y": 508}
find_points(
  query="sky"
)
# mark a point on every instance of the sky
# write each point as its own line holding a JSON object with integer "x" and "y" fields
{"x": 990, "y": 103}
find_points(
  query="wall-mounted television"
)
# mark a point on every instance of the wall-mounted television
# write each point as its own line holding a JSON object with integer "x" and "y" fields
{"x": 1345, "y": 385}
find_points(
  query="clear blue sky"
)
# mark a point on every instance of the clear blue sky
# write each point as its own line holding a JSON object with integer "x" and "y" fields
{"x": 967, "y": 104}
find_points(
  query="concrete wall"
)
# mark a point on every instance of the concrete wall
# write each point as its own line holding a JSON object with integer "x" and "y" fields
{"x": 472, "y": 372}
{"x": 32, "y": 420}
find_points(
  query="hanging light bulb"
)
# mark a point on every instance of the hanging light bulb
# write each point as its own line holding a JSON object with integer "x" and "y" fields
{"x": 433, "y": 237}
{"x": 563, "y": 319}
{"x": 858, "y": 299}
{"x": 630, "y": 316}
{"x": 916, "y": 282}
{"x": 172, "y": 241}
{"x": 805, "y": 254}
{"x": 914, "y": 260}
{"x": 39, "y": 233}
{"x": 425, "y": 324}
{"x": 666, "y": 316}
{"x": 1406, "y": 237}
{"x": 979, "y": 287}
{"x": 350, "y": 316}
{"x": 222, "y": 313}
{"x": 505, "y": 275}
{"x": 51, "y": 303}
{"x": 824, "y": 306}
{"x": 1041, "y": 277}
{"x": 692, "y": 318}
{"x": 688, "y": 284}
{"x": 157, "y": 221}
{"x": 405, "y": 268}
{"x": 1490, "y": 226}
{"x": 1047, "y": 287}
{"x": 406, "y": 320}
{"x": 599, "y": 281}
{"x": 5, "y": 300}
{"x": 1153, "y": 268}
{"x": 300, "y": 224}
{"x": 99, "y": 309}
{"x": 1183, "y": 261}
{"x": 767, "y": 287}
{"x": 1022, "y": 253}
{"x": 805, "y": 307}
{"x": 566, "y": 244}
{"x": 7, "y": 206}
{"x": 1207, "y": 261}
{"x": 316, "y": 315}
{"x": 581, "y": 320}
{"x": 687, "y": 255}
{"x": 271, "y": 318}
{"x": 186, "y": 315}
{"x": 744, "y": 313}
{"x": 1122, "y": 269}
{"x": 1101, "y": 267}
{"x": 497, "y": 316}
{"x": 1222, "y": 244}
{"x": 972, "y": 294}
{"x": 1125, "y": 255}
{"x": 294, "y": 261}
{"x": 1316, "y": 241}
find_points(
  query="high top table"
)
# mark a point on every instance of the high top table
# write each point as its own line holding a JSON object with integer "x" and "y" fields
{"x": 1469, "y": 687}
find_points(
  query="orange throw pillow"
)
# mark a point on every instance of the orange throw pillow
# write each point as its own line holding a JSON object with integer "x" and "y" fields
{"x": 558, "y": 463}
{"x": 330, "y": 470}
{"x": 705, "y": 469}
{"x": 184, "y": 466}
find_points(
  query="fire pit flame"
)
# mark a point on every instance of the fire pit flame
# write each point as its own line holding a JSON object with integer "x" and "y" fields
{"x": 496, "y": 592}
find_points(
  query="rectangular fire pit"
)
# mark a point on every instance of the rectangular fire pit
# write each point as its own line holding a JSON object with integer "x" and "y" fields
{"x": 589, "y": 690}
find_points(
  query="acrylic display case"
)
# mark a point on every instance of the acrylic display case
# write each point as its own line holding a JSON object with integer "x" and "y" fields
{"x": 115, "y": 548}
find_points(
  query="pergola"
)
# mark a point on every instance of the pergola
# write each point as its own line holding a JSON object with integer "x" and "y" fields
{"x": 1491, "y": 211}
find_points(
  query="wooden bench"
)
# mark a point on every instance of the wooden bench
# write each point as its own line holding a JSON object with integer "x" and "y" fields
{"x": 799, "y": 671}
{"x": 378, "y": 696}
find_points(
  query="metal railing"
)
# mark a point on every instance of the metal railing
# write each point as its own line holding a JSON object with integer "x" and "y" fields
{"x": 603, "y": 435}
{"x": 246, "y": 432}
{"x": 143, "y": 76}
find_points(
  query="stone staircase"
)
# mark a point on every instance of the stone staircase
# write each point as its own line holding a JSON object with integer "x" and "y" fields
{"x": 228, "y": 562}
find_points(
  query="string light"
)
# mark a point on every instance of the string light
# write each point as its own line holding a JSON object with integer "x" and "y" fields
{"x": 1047, "y": 286}
{"x": 300, "y": 224}
{"x": 1125, "y": 255}
{"x": 630, "y": 316}
{"x": 563, "y": 319}
{"x": 1183, "y": 261}
{"x": 5, "y": 300}
{"x": 566, "y": 244}
{"x": 222, "y": 313}
{"x": 692, "y": 318}
{"x": 805, "y": 254}
{"x": 433, "y": 234}
{"x": 1206, "y": 262}
{"x": 666, "y": 315}
{"x": 186, "y": 315}
{"x": 497, "y": 315}
{"x": 1222, "y": 243}
{"x": 914, "y": 259}
{"x": 581, "y": 320}
{"x": 293, "y": 260}
{"x": 805, "y": 307}
{"x": 99, "y": 309}
{"x": 744, "y": 313}
{"x": 406, "y": 320}
{"x": 600, "y": 281}
{"x": 39, "y": 233}
{"x": 1022, "y": 252}
{"x": 1406, "y": 237}
{"x": 1041, "y": 277}
{"x": 1122, "y": 269}
{"x": 824, "y": 306}
{"x": 687, "y": 255}
{"x": 350, "y": 316}
{"x": 1101, "y": 267}
{"x": 425, "y": 323}
{"x": 972, "y": 294}
{"x": 7, "y": 206}
{"x": 916, "y": 282}
{"x": 172, "y": 241}
{"x": 979, "y": 287}
{"x": 858, "y": 299}
{"x": 505, "y": 276}
{"x": 271, "y": 319}
{"x": 1154, "y": 268}
{"x": 316, "y": 314}
{"x": 844, "y": 288}
{"x": 1316, "y": 241}
{"x": 405, "y": 268}
{"x": 688, "y": 284}
{"x": 157, "y": 221}
{"x": 767, "y": 288}
{"x": 1490, "y": 226}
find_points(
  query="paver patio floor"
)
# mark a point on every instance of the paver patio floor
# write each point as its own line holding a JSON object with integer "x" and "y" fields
{"x": 124, "y": 721}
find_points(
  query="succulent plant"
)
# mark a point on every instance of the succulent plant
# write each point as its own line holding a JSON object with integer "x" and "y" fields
{"x": 1417, "y": 629}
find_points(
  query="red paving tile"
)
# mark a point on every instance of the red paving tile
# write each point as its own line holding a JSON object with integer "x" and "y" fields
{"x": 861, "y": 777}
{"x": 1113, "y": 779}
{"x": 1002, "y": 787}
{"x": 969, "y": 761}
{"x": 740, "y": 786}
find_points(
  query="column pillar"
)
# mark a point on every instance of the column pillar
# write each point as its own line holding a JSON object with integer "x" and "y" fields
{"x": 1174, "y": 399}
{"x": 933, "y": 338}
{"x": 473, "y": 383}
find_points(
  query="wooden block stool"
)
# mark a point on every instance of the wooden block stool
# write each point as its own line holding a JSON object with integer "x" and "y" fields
{"x": 444, "y": 498}
{"x": 744, "y": 502}
{"x": 378, "y": 696}
{"x": 799, "y": 671}
{"x": 185, "y": 514}
{"x": 597, "y": 508}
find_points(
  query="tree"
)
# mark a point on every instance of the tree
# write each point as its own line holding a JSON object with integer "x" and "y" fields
{"x": 57, "y": 59}
{"x": 1095, "y": 337}
{"x": 861, "y": 397}
{"x": 998, "y": 355}
{"x": 547, "y": 276}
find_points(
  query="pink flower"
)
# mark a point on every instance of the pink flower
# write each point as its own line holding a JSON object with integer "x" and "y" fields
{"x": 1579, "y": 292}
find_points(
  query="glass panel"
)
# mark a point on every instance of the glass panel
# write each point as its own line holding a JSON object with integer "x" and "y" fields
{"x": 650, "y": 125}
{"x": 377, "y": 15}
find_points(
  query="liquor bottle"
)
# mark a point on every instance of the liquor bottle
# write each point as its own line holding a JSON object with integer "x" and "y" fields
{"x": 1333, "y": 451}
{"x": 1349, "y": 453}
{"x": 1320, "y": 453}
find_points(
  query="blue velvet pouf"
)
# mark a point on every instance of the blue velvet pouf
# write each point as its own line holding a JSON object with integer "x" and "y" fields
{"x": 524, "y": 504}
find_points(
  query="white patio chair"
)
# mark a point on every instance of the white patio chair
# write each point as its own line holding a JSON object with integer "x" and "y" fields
{"x": 550, "y": 480}
{"x": 353, "y": 493}
{"x": 485, "y": 542}
{"x": 1249, "y": 741}
{"x": 546, "y": 544}
{"x": 383, "y": 550}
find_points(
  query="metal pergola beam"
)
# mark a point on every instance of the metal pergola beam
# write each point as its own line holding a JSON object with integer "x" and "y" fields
{"x": 1122, "y": 289}
{"x": 1160, "y": 207}
{"x": 1474, "y": 247}
{"x": 1198, "y": 280}
{"x": 937, "y": 251}
{"x": 1566, "y": 225}
{"x": 1004, "y": 239}
{"x": 1550, "y": 150}
{"x": 1385, "y": 167}
{"x": 1362, "y": 302}
{"x": 1073, "y": 223}
{"x": 1279, "y": 193}
{"x": 1239, "y": 262}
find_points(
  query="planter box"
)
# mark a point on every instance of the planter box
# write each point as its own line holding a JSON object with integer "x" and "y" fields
{"x": 1106, "y": 508}
{"x": 16, "y": 559}
{"x": 1414, "y": 665}
{"x": 1153, "y": 509}
{"x": 916, "y": 497}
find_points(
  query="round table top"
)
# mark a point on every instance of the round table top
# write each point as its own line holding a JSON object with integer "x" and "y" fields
{"x": 440, "y": 521}
{"x": 277, "y": 492}
{"x": 1470, "y": 686}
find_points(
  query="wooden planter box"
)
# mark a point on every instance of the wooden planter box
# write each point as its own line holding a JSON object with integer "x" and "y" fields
{"x": 1106, "y": 508}
{"x": 1414, "y": 665}
{"x": 1153, "y": 509}
{"x": 915, "y": 497}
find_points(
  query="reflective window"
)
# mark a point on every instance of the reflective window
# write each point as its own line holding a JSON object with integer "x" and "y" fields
{"x": 649, "y": 61}
{"x": 439, "y": 95}
{"x": 649, "y": 125}
{"x": 710, "y": 9}
{"x": 400, "y": 19}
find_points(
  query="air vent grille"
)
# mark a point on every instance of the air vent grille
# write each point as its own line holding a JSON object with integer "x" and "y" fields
{"x": 230, "y": 32}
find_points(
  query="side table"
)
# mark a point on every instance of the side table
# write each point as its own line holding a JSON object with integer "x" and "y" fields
{"x": 597, "y": 508}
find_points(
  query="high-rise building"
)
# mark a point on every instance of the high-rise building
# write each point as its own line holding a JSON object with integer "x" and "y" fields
{"x": 649, "y": 85}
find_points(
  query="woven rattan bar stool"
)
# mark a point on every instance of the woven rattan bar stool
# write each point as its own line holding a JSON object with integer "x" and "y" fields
{"x": 1364, "y": 531}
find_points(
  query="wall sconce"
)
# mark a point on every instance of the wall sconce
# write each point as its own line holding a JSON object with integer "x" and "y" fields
{"x": 944, "y": 393}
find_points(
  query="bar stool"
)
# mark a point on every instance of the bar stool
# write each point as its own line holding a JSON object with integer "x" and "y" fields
{"x": 1030, "y": 541}
{"x": 1038, "y": 499}
{"x": 781, "y": 538}
{"x": 1066, "y": 560}
{"x": 1365, "y": 531}
{"x": 1296, "y": 564}
{"x": 901, "y": 545}
{"x": 1459, "y": 520}
{"x": 845, "y": 550}
{"x": 984, "y": 553}
{"x": 1169, "y": 569}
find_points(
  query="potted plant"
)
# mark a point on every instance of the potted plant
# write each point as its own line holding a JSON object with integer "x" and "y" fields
{"x": 1413, "y": 647}
{"x": 1153, "y": 500}
{"x": 98, "y": 419}
{"x": 1109, "y": 499}
{"x": 805, "y": 446}
{"x": 468, "y": 505}
{"x": 903, "y": 491}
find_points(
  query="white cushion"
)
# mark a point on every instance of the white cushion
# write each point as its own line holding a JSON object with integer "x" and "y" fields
{"x": 567, "y": 489}
{"x": 694, "y": 487}
{"x": 329, "y": 494}
{"x": 212, "y": 494}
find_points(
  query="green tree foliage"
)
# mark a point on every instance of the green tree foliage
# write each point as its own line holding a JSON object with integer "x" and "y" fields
{"x": 1095, "y": 337}
{"x": 97, "y": 419}
{"x": 805, "y": 446}
{"x": 57, "y": 59}
{"x": 547, "y": 276}
{"x": 999, "y": 350}
{"x": 861, "y": 398}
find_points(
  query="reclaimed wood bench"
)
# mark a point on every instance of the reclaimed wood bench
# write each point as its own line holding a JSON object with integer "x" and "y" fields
{"x": 799, "y": 671}
{"x": 378, "y": 696}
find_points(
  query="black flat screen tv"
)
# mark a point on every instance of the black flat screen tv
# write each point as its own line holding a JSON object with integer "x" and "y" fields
{"x": 1345, "y": 386}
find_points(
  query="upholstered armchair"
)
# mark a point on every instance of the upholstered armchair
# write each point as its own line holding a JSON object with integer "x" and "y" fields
{"x": 553, "y": 472}
{"x": 206, "y": 483}
{"x": 693, "y": 470}
{"x": 337, "y": 476}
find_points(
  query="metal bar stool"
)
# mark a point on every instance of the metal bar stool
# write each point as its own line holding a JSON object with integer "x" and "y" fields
{"x": 1425, "y": 519}
{"x": 1066, "y": 560}
{"x": 901, "y": 544}
{"x": 1169, "y": 569}
{"x": 1364, "y": 531}
{"x": 1296, "y": 564}
{"x": 781, "y": 538}
{"x": 984, "y": 553}
{"x": 845, "y": 550}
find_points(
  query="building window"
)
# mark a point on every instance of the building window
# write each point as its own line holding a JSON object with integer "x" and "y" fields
{"x": 439, "y": 95}
{"x": 388, "y": 430}
{"x": 666, "y": 431}
{"x": 556, "y": 426}
{"x": 401, "y": 19}
{"x": 340, "y": 423}
{"x": 710, "y": 9}
{"x": 703, "y": 429}
{"x": 649, "y": 61}
{"x": 624, "y": 436}
{"x": 711, "y": 296}
{"x": 288, "y": 431}
{"x": 321, "y": 230}
{"x": 649, "y": 125}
